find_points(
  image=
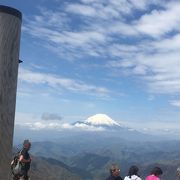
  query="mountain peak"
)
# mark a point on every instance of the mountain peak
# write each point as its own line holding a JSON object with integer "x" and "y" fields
{"x": 101, "y": 119}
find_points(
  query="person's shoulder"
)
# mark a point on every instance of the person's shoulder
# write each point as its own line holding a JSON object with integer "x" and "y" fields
{"x": 134, "y": 177}
{"x": 147, "y": 178}
{"x": 152, "y": 177}
{"x": 22, "y": 151}
{"x": 138, "y": 178}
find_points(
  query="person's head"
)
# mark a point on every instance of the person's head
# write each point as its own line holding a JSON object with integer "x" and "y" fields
{"x": 178, "y": 171}
{"x": 157, "y": 171}
{"x": 114, "y": 170}
{"x": 133, "y": 171}
{"x": 27, "y": 144}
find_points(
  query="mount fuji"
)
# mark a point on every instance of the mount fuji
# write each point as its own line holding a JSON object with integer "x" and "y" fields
{"x": 100, "y": 121}
{"x": 99, "y": 127}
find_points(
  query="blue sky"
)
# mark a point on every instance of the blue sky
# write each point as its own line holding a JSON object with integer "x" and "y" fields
{"x": 117, "y": 57}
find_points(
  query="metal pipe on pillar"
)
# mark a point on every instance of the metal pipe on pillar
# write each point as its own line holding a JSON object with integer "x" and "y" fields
{"x": 10, "y": 30}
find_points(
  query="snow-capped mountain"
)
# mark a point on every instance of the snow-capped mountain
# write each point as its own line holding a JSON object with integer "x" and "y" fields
{"x": 98, "y": 126}
{"x": 99, "y": 121}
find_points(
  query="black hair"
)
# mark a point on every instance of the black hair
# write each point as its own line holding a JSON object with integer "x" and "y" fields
{"x": 157, "y": 171}
{"x": 133, "y": 171}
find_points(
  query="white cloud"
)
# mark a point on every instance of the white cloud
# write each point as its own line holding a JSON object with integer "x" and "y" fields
{"x": 88, "y": 127}
{"x": 155, "y": 61}
{"x": 155, "y": 126}
{"x": 22, "y": 118}
{"x": 140, "y": 70}
{"x": 171, "y": 44}
{"x": 151, "y": 98}
{"x": 34, "y": 122}
{"x": 122, "y": 28}
{"x": 160, "y": 22}
{"x": 109, "y": 9}
{"x": 44, "y": 125}
{"x": 99, "y": 9}
{"x": 93, "y": 35}
{"x": 58, "y": 83}
{"x": 175, "y": 103}
{"x": 81, "y": 9}
{"x": 164, "y": 72}
{"x": 139, "y": 4}
{"x": 62, "y": 41}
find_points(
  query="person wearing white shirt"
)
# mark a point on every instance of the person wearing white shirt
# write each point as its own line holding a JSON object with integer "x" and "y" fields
{"x": 133, "y": 174}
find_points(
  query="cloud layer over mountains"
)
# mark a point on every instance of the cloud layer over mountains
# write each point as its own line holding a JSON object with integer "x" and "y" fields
{"x": 98, "y": 122}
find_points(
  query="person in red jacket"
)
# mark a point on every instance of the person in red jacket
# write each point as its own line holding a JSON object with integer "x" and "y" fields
{"x": 155, "y": 174}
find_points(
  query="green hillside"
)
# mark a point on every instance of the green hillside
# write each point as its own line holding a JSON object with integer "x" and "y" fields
{"x": 49, "y": 169}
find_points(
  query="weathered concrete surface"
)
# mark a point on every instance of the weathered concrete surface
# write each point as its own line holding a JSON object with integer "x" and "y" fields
{"x": 10, "y": 26}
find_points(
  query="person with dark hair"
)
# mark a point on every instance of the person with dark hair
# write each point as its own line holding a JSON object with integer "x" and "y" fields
{"x": 133, "y": 174}
{"x": 114, "y": 173}
{"x": 25, "y": 159}
{"x": 178, "y": 173}
{"x": 155, "y": 174}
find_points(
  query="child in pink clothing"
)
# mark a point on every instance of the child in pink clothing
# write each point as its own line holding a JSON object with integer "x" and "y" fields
{"x": 152, "y": 177}
{"x": 155, "y": 174}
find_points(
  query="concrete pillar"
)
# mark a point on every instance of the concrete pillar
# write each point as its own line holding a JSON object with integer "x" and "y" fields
{"x": 10, "y": 28}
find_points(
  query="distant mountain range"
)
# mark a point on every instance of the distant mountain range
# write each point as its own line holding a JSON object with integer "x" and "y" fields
{"x": 51, "y": 169}
{"x": 85, "y": 150}
{"x": 59, "y": 163}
